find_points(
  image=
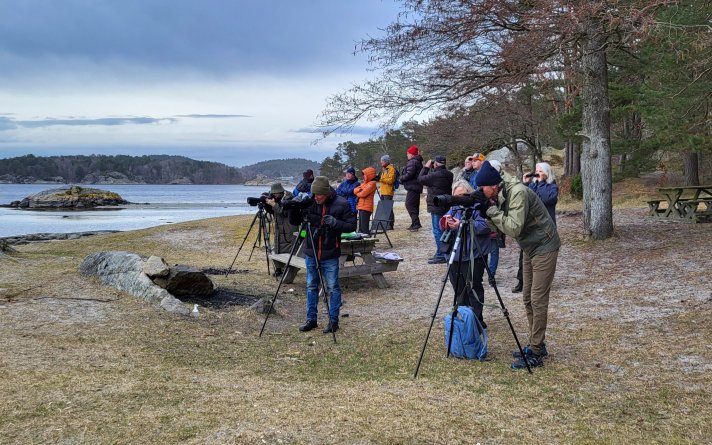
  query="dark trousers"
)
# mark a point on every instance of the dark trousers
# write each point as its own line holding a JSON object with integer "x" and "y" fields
{"x": 392, "y": 218}
{"x": 364, "y": 220}
{"x": 465, "y": 295}
{"x": 412, "y": 205}
{"x": 519, "y": 271}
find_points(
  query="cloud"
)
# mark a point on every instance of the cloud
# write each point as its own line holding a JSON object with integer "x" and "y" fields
{"x": 11, "y": 124}
{"x": 361, "y": 131}
{"x": 213, "y": 116}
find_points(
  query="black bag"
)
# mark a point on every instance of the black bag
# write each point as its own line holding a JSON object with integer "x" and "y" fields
{"x": 446, "y": 240}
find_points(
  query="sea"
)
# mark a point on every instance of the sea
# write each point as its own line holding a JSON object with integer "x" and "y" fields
{"x": 152, "y": 205}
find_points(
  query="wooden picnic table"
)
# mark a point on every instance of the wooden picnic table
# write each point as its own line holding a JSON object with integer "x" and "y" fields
{"x": 695, "y": 208}
{"x": 352, "y": 252}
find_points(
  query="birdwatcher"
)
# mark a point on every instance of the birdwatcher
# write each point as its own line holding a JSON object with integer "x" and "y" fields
{"x": 329, "y": 215}
{"x": 520, "y": 213}
{"x": 387, "y": 177}
{"x": 413, "y": 189}
{"x": 284, "y": 232}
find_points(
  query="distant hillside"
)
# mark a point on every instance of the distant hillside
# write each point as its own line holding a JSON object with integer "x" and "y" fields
{"x": 153, "y": 169}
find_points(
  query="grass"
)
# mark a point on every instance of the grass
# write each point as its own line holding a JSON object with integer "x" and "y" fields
{"x": 629, "y": 364}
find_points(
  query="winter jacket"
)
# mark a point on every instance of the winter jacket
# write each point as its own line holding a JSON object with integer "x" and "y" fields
{"x": 367, "y": 190}
{"x": 346, "y": 189}
{"x": 409, "y": 176}
{"x": 549, "y": 195}
{"x": 439, "y": 182}
{"x": 283, "y": 230}
{"x": 388, "y": 177}
{"x": 520, "y": 214}
{"x": 482, "y": 233}
{"x": 304, "y": 186}
{"x": 327, "y": 240}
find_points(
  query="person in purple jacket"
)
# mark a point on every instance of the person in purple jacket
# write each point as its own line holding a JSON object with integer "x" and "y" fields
{"x": 543, "y": 182}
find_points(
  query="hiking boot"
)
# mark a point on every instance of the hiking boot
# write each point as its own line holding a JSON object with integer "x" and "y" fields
{"x": 414, "y": 227}
{"x": 308, "y": 326}
{"x": 527, "y": 350}
{"x": 518, "y": 288}
{"x": 437, "y": 260}
{"x": 333, "y": 326}
{"x": 534, "y": 360}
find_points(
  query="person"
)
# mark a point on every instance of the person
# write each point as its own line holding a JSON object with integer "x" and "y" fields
{"x": 387, "y": 178}
{"x": 496, "y": 237}
{"x": 467, "y": 171}
{"x": 466, "y": 281}
{"x": 477, "y": 160}
{"x": 543, "y": 182}
{"x": 438, "y": 179}
{"x": 346, "y": 188}
{"x": 304, "y": 185}
{"x": 365, "y": 193}
{"x": 329, "y": 216}
{"x": 409, "y": 179}
{"x": 283, "y": 230}
{"x": 520, "y": 214}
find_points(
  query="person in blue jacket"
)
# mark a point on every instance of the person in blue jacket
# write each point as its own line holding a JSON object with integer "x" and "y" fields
{"x": 346, "y": 188}
{"x": 543, "y": 182}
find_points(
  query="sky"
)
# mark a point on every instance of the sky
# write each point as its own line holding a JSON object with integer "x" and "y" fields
{"x": 231, "y": 81}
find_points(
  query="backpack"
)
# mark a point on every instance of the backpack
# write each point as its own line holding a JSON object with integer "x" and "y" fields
{"x": 396, "y": 183}
{"x": 469, "y": 339}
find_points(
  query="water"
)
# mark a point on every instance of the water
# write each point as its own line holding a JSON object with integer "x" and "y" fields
{"x": 159, "y": 204}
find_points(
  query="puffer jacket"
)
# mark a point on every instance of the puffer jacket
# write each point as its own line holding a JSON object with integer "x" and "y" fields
{"x": 520, "y": 214}
{"x": 549, "y": 195}
{"x": 346, "y": 189}
{"x": 388, "y": 177}
{"x": 327, "y": 240}
{"x": 367, "y": 190}
{"x": 439, "y": 182}
{"x": 409, "y": 176}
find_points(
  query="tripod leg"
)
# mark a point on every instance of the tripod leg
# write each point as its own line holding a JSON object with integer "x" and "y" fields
{"x": 242, "y": 244}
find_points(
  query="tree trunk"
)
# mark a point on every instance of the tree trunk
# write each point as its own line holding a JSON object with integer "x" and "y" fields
{"x": 596, "y": 147}
{"x": 692, "y": 168}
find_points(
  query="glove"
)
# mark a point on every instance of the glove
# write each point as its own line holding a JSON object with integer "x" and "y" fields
{"x": 330, "y": 221}
{"x": 482, "y": 200}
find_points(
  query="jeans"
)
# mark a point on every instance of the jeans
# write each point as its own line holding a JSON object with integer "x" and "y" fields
{"x": 437, "y": 233}
{"x": 330, "y": 271}
{"x": 494, "y": 256}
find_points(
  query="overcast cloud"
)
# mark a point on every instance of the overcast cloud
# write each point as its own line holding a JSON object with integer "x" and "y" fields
{"x": 221, "y": 80}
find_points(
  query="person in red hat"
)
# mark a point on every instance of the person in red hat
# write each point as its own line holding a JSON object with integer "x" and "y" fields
{"x": 409, "y": 179}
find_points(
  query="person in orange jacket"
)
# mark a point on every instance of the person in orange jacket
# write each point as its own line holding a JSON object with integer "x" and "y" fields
{"x": 365, "y": 193}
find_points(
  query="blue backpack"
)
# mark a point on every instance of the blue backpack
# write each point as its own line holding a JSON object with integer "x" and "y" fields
{"x": 396, "y": 183}
{"x": 469, "y": 339}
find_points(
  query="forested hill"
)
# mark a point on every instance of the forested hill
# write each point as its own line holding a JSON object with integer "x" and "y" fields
{"x": 153, "y": 169}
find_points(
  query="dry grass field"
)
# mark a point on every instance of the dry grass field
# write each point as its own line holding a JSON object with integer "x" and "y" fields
{"x": 629, "y": 340}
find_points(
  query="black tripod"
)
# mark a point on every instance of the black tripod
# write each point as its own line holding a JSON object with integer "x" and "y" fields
{"x": 295, "y": 247}
{"x": 465, "y": 230}
{"x": 264, "y": 227}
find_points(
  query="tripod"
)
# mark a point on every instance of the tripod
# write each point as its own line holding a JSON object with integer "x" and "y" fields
{"x": 263, "y": 217}
{"x": 465, "y": 229}
{"x": 295, "y": 247}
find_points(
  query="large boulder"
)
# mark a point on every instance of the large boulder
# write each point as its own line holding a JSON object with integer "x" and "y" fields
{"x": 71, "y": 197}
{"x": 184, "y": 281}
{"x": 124, "y": 271}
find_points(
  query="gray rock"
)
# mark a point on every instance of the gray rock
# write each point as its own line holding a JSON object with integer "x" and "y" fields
{"x": 156, "y": 267}
{"x": 124, "y": 271}
{"x": 262, "y": 306}
{"x": 184, "y": 281}
{"x": 71, "y": 197}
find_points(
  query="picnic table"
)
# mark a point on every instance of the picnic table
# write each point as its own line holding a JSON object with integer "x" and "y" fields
{"x": 695, "y": 208}
{"x": 356, "y": 259}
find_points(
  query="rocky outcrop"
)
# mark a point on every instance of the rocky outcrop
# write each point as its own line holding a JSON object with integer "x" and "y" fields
{"x": 156, "y": 267}
{"x": 73, "y": 197}
{"x": 34, "y": 237}
{"x": 124, "y": 271}
{"x": 184, "y": 281}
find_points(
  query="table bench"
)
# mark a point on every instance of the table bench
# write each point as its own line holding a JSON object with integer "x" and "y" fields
{"x": 697, "y": 208}
{"x": 351, "y": 250}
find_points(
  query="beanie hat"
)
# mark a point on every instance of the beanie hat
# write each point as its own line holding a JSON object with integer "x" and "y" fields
{"x": 350, "y": 170}
{"x": 413, "y": 150}
{"x": 276, "y": 188}
{"x": 386, "y": 158}
{"x": 440, "y": 159}
{"x": 487, "y": 175}
{"x": 320, "y": 186}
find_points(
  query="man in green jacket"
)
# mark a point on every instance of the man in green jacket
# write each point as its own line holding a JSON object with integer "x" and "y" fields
{"x": 519, "y": 213}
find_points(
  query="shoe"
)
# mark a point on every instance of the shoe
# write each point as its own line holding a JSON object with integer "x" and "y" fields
{"x": 535, "y": 361}
{"x": 413, "y": 228}
{"x": 437, "y": 260}
{"x": 527, "y": 350}
{"x": 518, "y": 288}
{"x": 333, "y": 326}
{"x": 308, "y": 326}
{"x": 492, "y": 281}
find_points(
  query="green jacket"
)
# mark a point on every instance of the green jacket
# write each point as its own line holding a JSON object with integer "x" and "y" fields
{"x": 521, "y": 214}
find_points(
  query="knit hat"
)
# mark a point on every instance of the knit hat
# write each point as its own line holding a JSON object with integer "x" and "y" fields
{"x": 350, "y": 170}
{"x": 308, "y": 174}
{"x": 413, "y": 150}
{"x": 440, "y": 159}
{"x": 487, "y": 175}
{"x": 276, "y": 188}
{"x": 386, "y": 158}
{"x": 320, "y": 186}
